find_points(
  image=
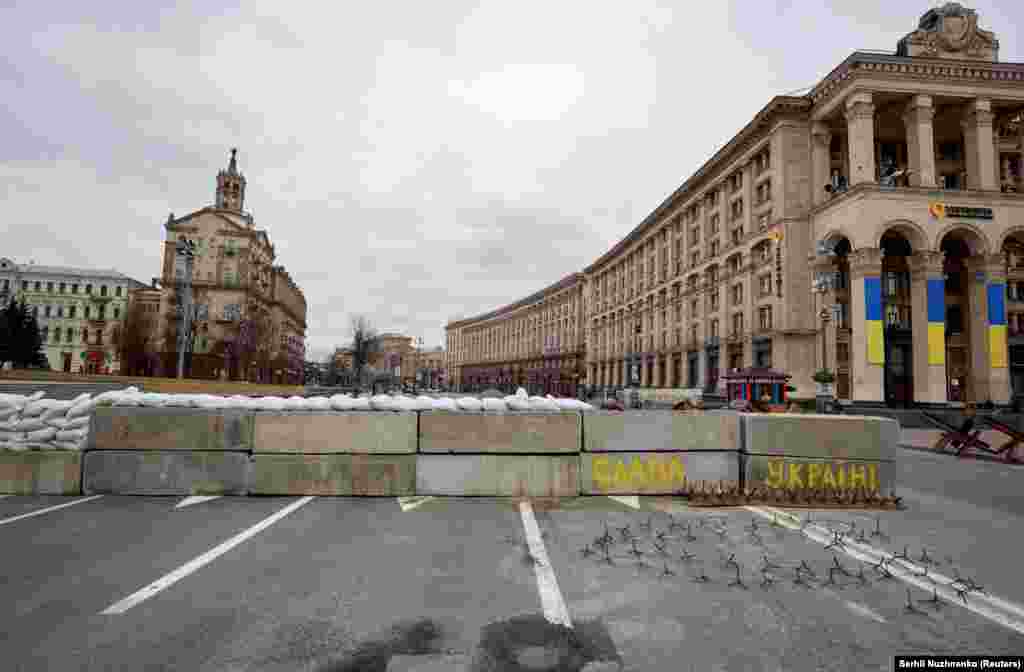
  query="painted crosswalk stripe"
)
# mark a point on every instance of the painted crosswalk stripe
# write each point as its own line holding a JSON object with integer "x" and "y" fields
{"x": 550, "y": 596}
{"x": 195, "y": 499}
{"x": 40, "y": 512}
{"x": 168, "y": 580}
{"x": 995, "y": 609}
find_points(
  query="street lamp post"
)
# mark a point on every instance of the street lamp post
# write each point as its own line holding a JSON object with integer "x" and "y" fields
{"x": 185, "y": 249}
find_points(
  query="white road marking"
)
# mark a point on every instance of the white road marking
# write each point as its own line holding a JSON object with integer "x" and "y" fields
{"x": 410, "y": 503}
{"x": 863, "y": 610}
{"x": 4, "y": 496}
{"x": 550, "y": 596}
{"x": 168, "y": 580}
{"x": 40, "y": 512}
{"x": 629, "y": 500}
{"x": 195, "y": 499}
{"x": 995, "y": 609}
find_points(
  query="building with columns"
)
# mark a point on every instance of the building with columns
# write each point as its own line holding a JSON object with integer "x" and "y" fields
{"x": 873, "y": 227}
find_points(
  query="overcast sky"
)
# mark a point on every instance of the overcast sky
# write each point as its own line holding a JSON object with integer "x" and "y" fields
{"x": 411, "y": 161}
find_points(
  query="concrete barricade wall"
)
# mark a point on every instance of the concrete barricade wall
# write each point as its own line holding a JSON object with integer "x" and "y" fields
{"x": 39, "y": 472}
{"x": 652, "y": 452}
{"x": 806, "y": 451}
{"x": 341, "y": 475}
{"x": 510, "y": 432}
{"x": 138, "y": 428}
{"x": 345, "y": 432}
{"x": 498, "y": 475}
{"x": 165, "y": 472}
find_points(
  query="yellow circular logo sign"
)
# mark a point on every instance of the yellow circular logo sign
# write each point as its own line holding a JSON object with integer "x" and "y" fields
{"x": 938, "y": 210}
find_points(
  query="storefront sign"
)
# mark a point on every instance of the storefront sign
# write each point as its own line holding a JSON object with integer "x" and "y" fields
{"x": 942, "y": 210}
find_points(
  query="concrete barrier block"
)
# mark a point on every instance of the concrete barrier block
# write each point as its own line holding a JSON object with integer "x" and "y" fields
{"x": 138, "y": 428}
{"x": 325, "y": 432}
{"x": 821, "y": 436}
{"x": 498, "y": 475}
{"x": 660, "y": 473}
{"x": 534, "y": 433}
{"x": 165, "y": 472}
{"x": 653, "y": 430}
{"x": 44, "y": 472}
{"x": 797, "y": 473}
{"x": 342, "y": 475}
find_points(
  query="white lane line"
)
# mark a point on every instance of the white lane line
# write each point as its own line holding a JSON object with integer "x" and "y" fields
{"x": 4, "y": 496}
{"x": 410, "y": 503}
{"x": 995, "y": 609}
{"x": 550, "y": 596}
{"x": 629, "y": 500}
{"x": 168, "y": 580}
{"x": 195, "y": 499}
{"x": 863, "y": 610}
{"x": 40, "y": 512}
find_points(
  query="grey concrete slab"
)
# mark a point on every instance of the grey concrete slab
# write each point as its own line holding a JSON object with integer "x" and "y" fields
{"x": 534, "y": 433}
{"x": 40, "y": 472}
{"x": 799, "y": 473}
{"x": 337, "y": 432}
{"x": 654, "y": 472}
{"x": 139, "y": 428}
{"x": 166, "y": 472}
{"x": 372, "y": 475}
{"x": 821, "y": 436}
{"x": 498, "y": 475}
{"x": 654, "y": 430}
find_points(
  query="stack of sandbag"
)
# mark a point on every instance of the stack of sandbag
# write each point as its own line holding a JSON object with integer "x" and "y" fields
{"x": 37, "y": 423}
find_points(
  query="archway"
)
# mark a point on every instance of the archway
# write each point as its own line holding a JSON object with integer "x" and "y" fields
{"x": 841, "y": 249}
{"x": 898, "y": 378}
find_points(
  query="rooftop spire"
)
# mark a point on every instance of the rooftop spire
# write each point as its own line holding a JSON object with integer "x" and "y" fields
{"x": 233, "y": 166}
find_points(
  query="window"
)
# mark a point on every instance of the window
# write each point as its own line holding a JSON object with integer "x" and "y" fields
{"x": 117, "y": 312}
{"x": 69, "y": 335}
{"x": 38, "y": 285}
{"x": 45, "y": 334}
{"x": 737, "y": 294}
{"x": 737, "y": 208}
{"x": 715, "y": 244}
{"x": 46, "y": 311}
{"x": 60, "y": 311}
{"x": 99, "y": 337}
{"x": 24, "y": 285}
{"x": 764, "y": 220}
{"x": 764, "y": 191}
{"x": 71, "y": 311}
{"x": 49, "y": 287}
{"x": 713, "y": 329}
{"x": 63, "y": 287}
{"x": 103, "y": 312}
{"x": 765, "y": 284}
{"x": 88, "y": 289}
{"x": 693, "y": 309}
{"x": 74, "y": 288}
{"x": 88, "y": 312}
{"x": 737, "y": 324}
{"x": 117, "y": 292}
{"x": 713, "y": 224}
{"x": 764, "y": 315}
{"x": 713, "y": 297}
{"x": 103, "y": 290}
{"x": 694, "y": 258}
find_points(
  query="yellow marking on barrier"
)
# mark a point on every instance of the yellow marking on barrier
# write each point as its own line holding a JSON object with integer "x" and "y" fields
{"x": 836, "y": 475}
{"x": 640, "y": 472}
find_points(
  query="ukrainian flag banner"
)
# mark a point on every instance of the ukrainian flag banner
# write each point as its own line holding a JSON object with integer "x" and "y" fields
{"x": 873, "y": 323}
{"x": 936, "y": 322}
{"x": 997, "y": 325}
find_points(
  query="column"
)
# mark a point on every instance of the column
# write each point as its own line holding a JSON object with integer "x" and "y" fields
{"x": 928, "y": 322}
{"x": 827, "y": 299}
{"x": 867, "y": 348}
{"x": 748, "y": 198}
{"x": 860, "y": 125}
{"x": 821, "y": 143}
{"x": 979, "y": 147}
{"x": 920, "y": 141}
{"x": 990, "y": 374}
{"x": 1004, "y": 173}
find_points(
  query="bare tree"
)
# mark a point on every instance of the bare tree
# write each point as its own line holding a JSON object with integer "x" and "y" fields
{"x": 134, "y": 340}
{"x": 365, "y": 344}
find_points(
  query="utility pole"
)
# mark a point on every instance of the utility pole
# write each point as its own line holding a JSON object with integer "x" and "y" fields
{"x": 186, "y": 249}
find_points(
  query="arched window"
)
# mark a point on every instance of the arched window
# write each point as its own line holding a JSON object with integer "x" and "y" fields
{"x": 103, "y": 290}
{"x": 88, "y": 289}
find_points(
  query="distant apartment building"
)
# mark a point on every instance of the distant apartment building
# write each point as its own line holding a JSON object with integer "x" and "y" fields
{"x": 397, "y": 355}
{"x": 80, "y": 311}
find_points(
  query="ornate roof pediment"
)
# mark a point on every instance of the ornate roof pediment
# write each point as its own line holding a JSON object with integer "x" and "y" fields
{"x": 950, "y": 31}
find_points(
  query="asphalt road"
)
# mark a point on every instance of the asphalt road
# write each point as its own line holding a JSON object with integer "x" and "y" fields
{"x": 380, "y": 584}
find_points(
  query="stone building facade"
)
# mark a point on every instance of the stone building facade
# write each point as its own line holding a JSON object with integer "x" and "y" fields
{"x": 235, "y": 280}
{"x": 873, "y": 227}
{"x": 80, "y": 311}
{"x": 399, "y": 352}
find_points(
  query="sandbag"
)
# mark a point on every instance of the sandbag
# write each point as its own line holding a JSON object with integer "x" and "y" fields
{"x": 153, "y": 399}
{"x": 445, "y": 404}
{"x": 542, "y": 404}
{"x": 82, "y": 397}
{"x": 71, "y": 435}
{"x": 468, "y": 404}
{"x": 76, "y": 423}
{"x": 67, "y": 445}
{"x": 42, "y": 435}
{"x": 381, "y": 402}
{"x": 361, "y": 404}
{"x": 11, "y": 436}
{"x": 8, "y": 412}
{"x": 341, "y": 402}
{"x": 35, "y": 396}
{"x": 128, "y": 399}
{"x": 519, "y": 404}
{"x": 495, "y": 405}
{"x": 30, "y": 425}
{"x": 58, "y": 422}
{"x": 424, "y": 403}
{"x": 35, "y": 408}
{"x": 81, "y": 408}
{"x": 12, "y": 424}
{"x": 178, "y": 400}
{"x": 406, "y": 404}
{"x": 318, "y": 404}
{"x": 521, "y": 392}
{"x": 58, "y": 409}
